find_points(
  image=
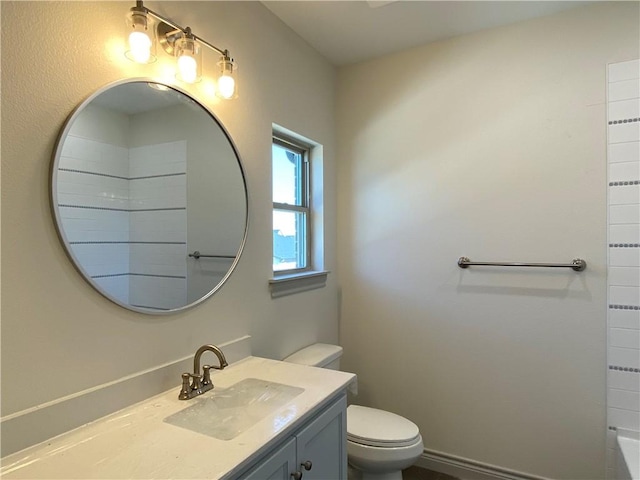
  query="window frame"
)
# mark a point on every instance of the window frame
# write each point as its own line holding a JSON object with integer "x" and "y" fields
{"x": 283, "y": 283}
{"x": 303, "y": 188}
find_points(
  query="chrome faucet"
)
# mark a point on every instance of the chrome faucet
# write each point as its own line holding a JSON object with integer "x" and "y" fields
{"x": 200, "y": 382}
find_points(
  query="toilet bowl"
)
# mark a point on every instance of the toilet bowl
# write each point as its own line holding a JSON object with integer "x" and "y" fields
{"x": 380, "y": 444}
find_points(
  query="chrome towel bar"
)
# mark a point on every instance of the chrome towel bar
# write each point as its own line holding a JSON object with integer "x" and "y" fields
{"x": 577, "y": 264}
{"x": 197, "y": 255}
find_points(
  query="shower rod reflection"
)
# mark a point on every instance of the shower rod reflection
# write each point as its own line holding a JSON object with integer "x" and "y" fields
{"x": 198, "y": 255}
{"x": 576, "y": 264}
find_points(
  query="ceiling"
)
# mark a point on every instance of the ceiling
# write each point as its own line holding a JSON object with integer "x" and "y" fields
{"x": 138, "y": 97}
{"x": 347, "y": 32}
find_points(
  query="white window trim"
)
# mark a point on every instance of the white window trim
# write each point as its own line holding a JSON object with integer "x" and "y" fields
{"x": 315, "y": 276}
{"x": 283, "y": 285}
{"x": 304, "y": 150}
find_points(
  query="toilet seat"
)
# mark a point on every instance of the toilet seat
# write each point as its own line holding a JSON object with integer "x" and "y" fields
{"x": 378, "y": 428}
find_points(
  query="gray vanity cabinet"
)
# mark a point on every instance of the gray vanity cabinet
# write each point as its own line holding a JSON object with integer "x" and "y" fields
{"x": 316, "y": 451}
{"x": 277, "y": 465}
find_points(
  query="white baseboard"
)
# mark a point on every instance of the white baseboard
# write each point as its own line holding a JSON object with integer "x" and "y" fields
{"x": 466, "y": 469}
{"x": 36, "y": 424}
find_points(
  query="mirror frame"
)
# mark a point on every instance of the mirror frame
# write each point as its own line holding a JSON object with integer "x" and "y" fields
{"x": 62, "y": 135}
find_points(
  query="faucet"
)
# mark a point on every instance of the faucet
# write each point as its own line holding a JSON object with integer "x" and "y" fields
{"x": 201, "y": 383}
{"x": 208, "y": 348}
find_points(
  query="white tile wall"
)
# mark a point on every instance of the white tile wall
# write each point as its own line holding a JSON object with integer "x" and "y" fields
{"x": 623, "y": 89}
{"x": 155, "y": 292}
{"x": 623, "y": 152}
{"x": 626, "y": 357}
{"x": 624, "y": 337}
{"x": 150, "y": 191}
{"x": 158, "y": 259}
{"x": 624, "y": 195}
{"x": 624, "y": 276}
{"x": 101, "y": 259}
{"x": 159, "y": 159}
{"x": 120, "y": 182}
{"x": 89, "y": 155}
{"x": 623, "y": 319}
{"x": 104, "y": 191}
{"x": 118, "y": 287}
{"x": 624, "y": 257}
{"x": 85, "y": 225}
{"x": 623, "y": 109}
{"x": 624, "y": 295}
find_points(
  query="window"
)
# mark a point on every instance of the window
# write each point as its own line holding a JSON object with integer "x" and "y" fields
{"x": 291, "y": 212}
{"x": 298, "y": 218}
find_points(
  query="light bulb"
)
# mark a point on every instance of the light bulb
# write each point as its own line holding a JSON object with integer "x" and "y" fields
{"x": 189, "y": 54}
{"x": 139, "y": 47}
{"x": 226, "y": 86}
{"x": 188, "y": 68}
{"x": 140, "y": 36}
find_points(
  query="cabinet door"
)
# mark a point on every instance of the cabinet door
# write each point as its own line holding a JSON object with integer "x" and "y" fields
{"x": 278, "y": 465}
{"x": 323, "y": 442}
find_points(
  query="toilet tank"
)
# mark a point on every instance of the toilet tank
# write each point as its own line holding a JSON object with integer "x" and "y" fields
{"x": 320, "y": 355}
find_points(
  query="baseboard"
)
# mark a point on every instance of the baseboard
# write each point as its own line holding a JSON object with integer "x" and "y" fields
{"x": 466, "y": 469}
{"x": 36, "y": 424}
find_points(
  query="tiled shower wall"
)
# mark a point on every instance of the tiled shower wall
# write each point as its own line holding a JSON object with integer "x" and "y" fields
{"x": 93, "y": 201}
{"x": 124, "y": 215}
{"x": 158, "y": 228}
{"x": 623, "y": 139}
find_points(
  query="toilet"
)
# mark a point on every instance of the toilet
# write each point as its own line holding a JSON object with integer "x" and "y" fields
{"x": 380, "y": 444}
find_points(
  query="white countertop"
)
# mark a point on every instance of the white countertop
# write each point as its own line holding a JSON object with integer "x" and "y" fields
{"x": 137, "y": 443}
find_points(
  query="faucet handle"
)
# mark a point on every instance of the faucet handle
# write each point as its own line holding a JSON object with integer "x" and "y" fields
{"x": 206, "y": 375}
{"x": 185, "y": 391}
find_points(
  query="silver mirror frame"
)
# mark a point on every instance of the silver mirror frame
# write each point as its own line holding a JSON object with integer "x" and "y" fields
{"x": 57, "y": 216}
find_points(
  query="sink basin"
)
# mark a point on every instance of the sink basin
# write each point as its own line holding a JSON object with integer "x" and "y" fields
{"x": 226, "y": 413}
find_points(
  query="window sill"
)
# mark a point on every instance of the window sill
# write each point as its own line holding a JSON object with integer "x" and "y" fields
{"x": 283, "y": 285}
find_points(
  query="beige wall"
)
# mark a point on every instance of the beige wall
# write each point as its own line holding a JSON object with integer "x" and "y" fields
{"x": 59, "y": 336}
{"x": 491, "y": 146}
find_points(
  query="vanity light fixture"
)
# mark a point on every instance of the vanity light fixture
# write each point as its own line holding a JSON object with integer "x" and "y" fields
{"x": 141, "y": 36}
{"x": 179, "y": 42}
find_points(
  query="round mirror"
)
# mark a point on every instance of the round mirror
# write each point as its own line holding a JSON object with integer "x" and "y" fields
{"x": 149, "y": 196}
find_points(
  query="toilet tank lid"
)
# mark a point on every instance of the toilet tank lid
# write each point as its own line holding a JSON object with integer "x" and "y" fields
{"x": 316, "y": 355}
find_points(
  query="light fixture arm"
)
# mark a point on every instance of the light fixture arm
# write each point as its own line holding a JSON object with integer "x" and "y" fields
{"x": 140, "y": 7}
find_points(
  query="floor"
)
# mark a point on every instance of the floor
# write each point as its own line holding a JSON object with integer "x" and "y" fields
{"x": 415, "y": 473}
{"x": 411, "y": 473}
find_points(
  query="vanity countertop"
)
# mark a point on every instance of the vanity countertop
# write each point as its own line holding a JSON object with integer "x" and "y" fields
{"x": 136, "y": 442}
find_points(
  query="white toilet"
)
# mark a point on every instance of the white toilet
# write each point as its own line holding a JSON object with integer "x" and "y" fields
{"x": 379, "y": 444}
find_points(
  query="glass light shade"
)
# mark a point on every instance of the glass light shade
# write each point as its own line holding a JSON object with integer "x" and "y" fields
{"x": 141, "y": 45}
{"x": 227, "y": 84}
{"x": 189, "y": 63}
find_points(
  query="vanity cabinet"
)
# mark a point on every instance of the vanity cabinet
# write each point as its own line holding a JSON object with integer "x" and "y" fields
{"x": 316, "y": 451}
{"x": 141, "y": 442}
{"x": 277, "y": 465}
